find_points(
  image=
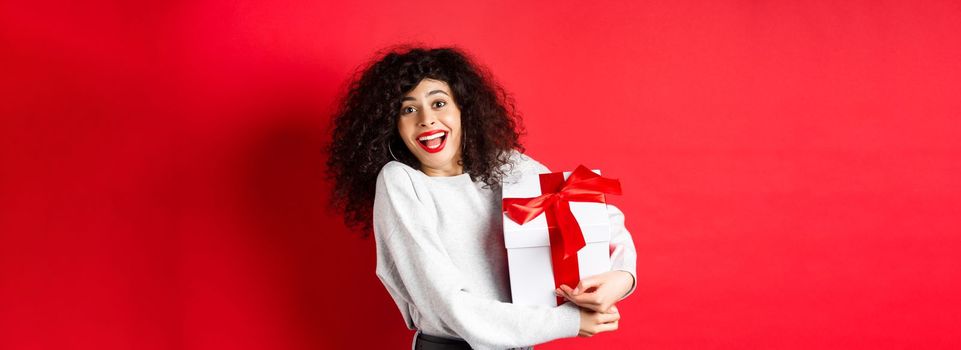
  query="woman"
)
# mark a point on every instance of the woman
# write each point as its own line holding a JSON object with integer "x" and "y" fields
{"x": 420, "y": 145}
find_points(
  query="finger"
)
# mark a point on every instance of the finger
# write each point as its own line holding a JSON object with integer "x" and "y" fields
{"x": 614, "y": 321}
{"x": 607, "y": 318}
{"x": 567, "y": 290}
{"x": 606, "y": 327}
{"x": 587, "y": 300}
{"x": 605, "y": 308}
{"x": 585, "y": 284}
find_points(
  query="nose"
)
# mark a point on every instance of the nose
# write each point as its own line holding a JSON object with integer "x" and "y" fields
{"x": 427, "y": 118}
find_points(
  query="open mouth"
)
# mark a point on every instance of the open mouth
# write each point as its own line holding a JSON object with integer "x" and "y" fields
{"x": 432, "y": 141}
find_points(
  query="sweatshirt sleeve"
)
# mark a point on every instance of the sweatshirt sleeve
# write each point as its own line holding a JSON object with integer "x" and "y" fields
{"x": 624, "y": 258}
{"x": 414, "y": 264}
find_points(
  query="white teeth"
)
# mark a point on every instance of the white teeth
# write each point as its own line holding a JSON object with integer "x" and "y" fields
{"x": 431, "y": 137}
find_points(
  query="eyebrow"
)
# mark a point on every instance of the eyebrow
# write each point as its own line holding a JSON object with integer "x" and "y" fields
{"x": 408, "y": 98}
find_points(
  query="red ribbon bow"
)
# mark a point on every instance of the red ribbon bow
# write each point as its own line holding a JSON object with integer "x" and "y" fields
{"x": 583, "y": 185}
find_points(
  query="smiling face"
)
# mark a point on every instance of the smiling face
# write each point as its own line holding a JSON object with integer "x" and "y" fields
{"x": 429, "y": 124}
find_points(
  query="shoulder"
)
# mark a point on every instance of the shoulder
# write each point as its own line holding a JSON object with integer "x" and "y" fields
{"x": 397, "y": 176}
{"x": 396, "y": 171}
{"x": 402, "y": 201}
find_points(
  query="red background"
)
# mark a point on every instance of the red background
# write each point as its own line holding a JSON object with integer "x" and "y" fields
{"x": 792, "y": 170}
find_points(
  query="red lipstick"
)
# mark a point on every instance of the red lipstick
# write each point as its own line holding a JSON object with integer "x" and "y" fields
{"x": 432, "y": 141}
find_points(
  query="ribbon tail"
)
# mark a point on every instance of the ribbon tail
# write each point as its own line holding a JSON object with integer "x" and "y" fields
{"x": 570, "y": 230}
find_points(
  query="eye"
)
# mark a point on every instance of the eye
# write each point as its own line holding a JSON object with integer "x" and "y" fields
{"x": 407, "y": 109}
{"x": 440, "y": 104}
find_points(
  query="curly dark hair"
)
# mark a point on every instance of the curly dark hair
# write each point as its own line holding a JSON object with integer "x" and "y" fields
{"x": 366, "y": 123}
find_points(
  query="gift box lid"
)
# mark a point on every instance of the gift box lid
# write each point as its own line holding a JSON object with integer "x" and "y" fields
{"x": 592, "y": 217}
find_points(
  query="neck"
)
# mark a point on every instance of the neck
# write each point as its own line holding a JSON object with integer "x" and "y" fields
{"x": 453, "y": 169}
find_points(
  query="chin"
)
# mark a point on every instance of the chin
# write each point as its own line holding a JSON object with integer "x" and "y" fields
{"x": 441, "y": 159}
{"x": 436, "y": 160}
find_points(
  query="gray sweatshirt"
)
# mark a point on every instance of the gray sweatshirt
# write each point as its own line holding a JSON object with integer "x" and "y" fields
{"x": 441, "y": 256}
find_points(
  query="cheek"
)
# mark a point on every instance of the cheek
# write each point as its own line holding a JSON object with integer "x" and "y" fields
{"x": 453, "y": 120}
{"x": 403, "y": 127}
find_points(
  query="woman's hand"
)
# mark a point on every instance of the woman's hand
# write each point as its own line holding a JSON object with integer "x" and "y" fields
{"x": 599, "y": 292}
{"x": 593, "y": 322}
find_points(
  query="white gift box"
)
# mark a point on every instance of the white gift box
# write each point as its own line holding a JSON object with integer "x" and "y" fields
{"x": 529, "y": 248}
